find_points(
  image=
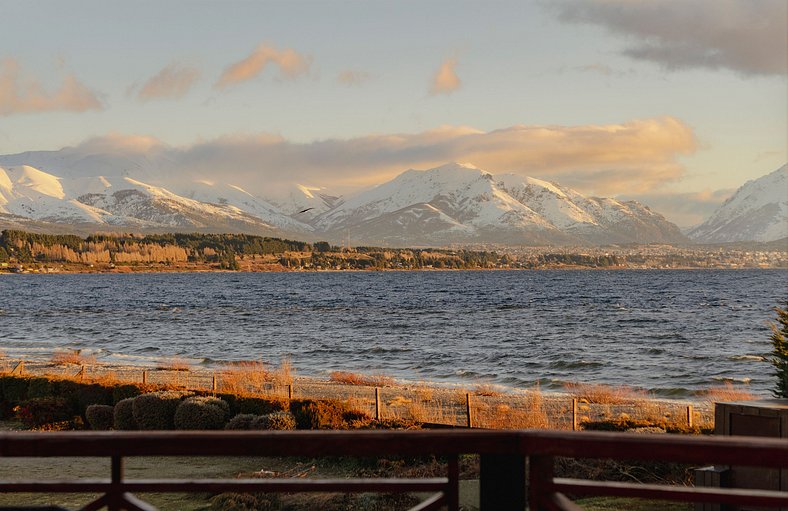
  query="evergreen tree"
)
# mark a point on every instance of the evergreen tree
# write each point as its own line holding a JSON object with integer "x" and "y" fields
{"x": 780, "y": 352}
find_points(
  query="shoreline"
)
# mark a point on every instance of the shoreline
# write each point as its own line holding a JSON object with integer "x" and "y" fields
{"x": 158, "y": 270}
{"x": 197, "y": 374}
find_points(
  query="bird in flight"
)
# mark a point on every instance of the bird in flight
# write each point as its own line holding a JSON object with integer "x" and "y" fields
{"x": 304, "y": 211}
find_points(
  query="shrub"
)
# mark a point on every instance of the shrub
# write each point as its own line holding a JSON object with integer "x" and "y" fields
{"x": 242, "y": 421}
{"x": 100, "y": 417}
{"x": 374, "y": 380}
{"x": 92, "y": 394}
{"x": 123, "y": 416}
{"x": 40, "y": 387}
{"x": 326, "y": 414}
{"x": 124, "y": 391}
{"x": 14, "y": 389}
{"x": 156, "y": 410}
{"x": 200, "y": 412}
{"x": 43, "y": 410}
{"x": 275, "y": 421}
{"x": 357, "y": 418}
{"x": 259, "y": 405}
{"x": 779, "y": 359}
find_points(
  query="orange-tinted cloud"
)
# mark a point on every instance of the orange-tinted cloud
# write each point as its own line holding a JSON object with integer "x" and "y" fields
{"x": 172, "y": 82}
{"x": 19, "y": 94}
{"x": 635, "y": 157}
{"x": 291, "y": 65}
{"x": 446, "y": 80}
{"x": 353, "y": 78}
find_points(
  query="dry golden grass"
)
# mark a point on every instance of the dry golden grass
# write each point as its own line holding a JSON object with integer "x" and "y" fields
{"x": 244, "y": 377}
{"x": 485, "y": 389}
{"x": 604, "y": 394}
{"x": 283, "y": 375}
{"x": 348, "y": 378}
{"x": 173, "y": 364}
{"x": 75, "y": 357}
{"x": 525, "y": 413}
{"x": 727, "y": 392}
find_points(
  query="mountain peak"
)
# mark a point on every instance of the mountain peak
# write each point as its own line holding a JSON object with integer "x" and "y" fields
{"x": 758, "y": 211}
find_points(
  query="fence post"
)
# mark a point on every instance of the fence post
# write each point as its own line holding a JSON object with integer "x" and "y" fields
{"x": 574, "y": 414}
{"x": 502, "y": 482}
{"x": 377, "y": 403}
{"x": 468, "y": 411}
{"x": 689, "y": 416}
{"x": 290, "y": 391}
{"x": 144, "y": 377}
{"x": 213, "y": 382}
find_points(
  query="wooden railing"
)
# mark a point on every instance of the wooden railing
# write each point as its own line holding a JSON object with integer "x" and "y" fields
{"x": 503, "y": 456}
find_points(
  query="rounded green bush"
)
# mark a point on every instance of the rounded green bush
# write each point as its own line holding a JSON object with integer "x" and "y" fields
{"x": 156, "y": 410}
{"x": 201, "y": 413}
{"x": 242, "y": 421}
{"x": 275, "y": 421}
{"x": 43, "y": 410}
{"x": 123, "y": 416}
{"x": 100, "y": 417}
{"x": 325, "y": 414}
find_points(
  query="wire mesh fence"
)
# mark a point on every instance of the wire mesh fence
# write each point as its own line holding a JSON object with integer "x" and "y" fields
{"x": 431, "y": 404}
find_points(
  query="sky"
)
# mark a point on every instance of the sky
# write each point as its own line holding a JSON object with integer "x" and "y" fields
{"x": 673, "y": 103}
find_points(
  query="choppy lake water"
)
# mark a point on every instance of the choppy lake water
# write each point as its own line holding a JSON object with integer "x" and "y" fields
{"x": 669, "y": 331}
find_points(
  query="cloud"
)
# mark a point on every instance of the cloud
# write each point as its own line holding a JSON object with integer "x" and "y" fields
{"x": 119, "y": 143}
{"x": 634, "y": 157}
{"x": 20, "y": 94}
{"x": 353, "y": 78}
{"x": 445, "y": 80}
{"x": 746, "y": 36}
{"x": 684, "y": 209}
{"x": 291, "y": 65}
{"x": 172, "y": 82}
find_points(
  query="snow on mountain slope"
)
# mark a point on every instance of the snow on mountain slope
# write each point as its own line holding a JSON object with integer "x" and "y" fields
{"x": 294, "y": 198}
{"x": 222, "y": 194}
{"x": 453, "y": 203}
{"x": 460, "y": 191}
{"x": 758, "y": 211}
{"x": 477, "y": 206}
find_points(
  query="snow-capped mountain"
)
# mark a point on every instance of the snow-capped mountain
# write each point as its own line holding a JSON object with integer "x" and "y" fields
{"x": 758, "y": 211}
{"x": 461, "y": 203}
{"x": 26, "y": 192}
{"x": 454, "y": 203}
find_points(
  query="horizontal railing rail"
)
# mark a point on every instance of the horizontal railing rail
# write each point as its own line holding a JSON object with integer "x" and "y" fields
{"x": 503, "y": 456}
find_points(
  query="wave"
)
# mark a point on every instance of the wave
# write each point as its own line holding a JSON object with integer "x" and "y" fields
{"x": 757, "y": 358}
{"x": 731, "y": 379}
{"x": 574, "y": 364}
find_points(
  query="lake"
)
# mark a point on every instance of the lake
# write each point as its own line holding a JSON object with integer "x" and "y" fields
{"x": 673, "y": 332}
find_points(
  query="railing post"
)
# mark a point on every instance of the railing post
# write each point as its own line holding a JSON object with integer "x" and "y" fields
{"x": 144, "y": 377}
{"x": 213, "y": 382}
{"x": 689, "y": 416}
{"x": 115, "y": 495}
{"x": 502, "y": 482}
{"x": 453, "y": 491}
{"x": 540, "y": 482}
{"x": 377, "y": 403}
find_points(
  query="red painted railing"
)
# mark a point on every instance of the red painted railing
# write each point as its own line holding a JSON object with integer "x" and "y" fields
{"x": 503, "y": 456}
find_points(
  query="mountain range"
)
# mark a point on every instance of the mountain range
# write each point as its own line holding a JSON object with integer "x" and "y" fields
{"x": 453, "y": 203}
